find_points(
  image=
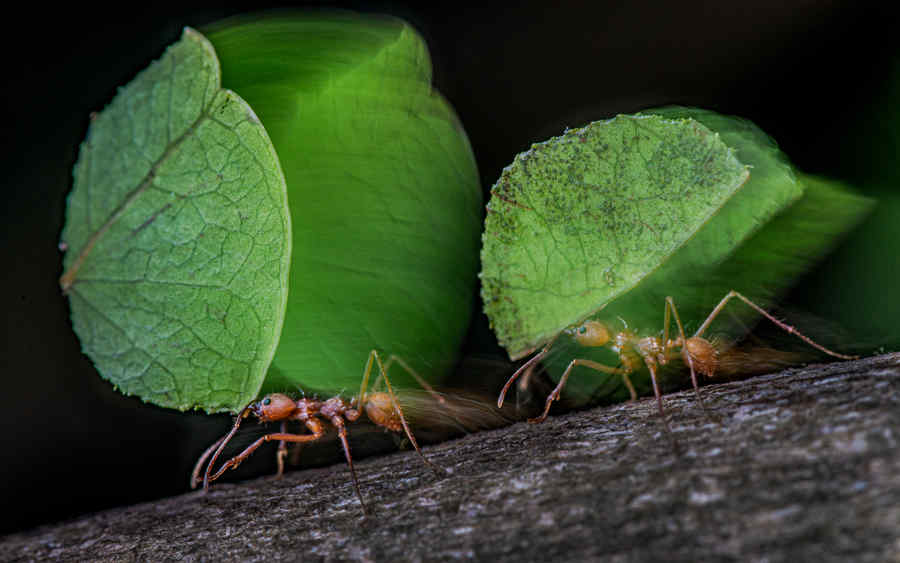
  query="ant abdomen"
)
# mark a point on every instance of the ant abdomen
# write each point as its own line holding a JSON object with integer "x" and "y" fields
{"x": 380, "y": 410}
{"x": 702, "y": 355}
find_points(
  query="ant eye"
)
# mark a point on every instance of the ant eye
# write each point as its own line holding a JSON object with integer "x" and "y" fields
{"x": 267, "y": 401}
{"x": 582, "y": 329}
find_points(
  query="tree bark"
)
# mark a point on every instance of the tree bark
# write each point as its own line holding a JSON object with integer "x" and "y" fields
{"x": 800, "y": 465}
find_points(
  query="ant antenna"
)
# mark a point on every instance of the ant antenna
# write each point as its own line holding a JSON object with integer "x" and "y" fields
{"x": 224, "y": 442}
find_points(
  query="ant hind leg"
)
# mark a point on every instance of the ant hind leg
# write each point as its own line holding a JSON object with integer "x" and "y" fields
{"x": 374, "y": 358}
{"x": 554, "y": 395}
{"x": 785, "y": 327}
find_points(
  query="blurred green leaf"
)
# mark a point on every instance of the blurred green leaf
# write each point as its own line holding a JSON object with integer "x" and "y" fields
{"x": 758, "y": 239}
{"x": 384, "y": 193}
{"x": 855, "y": 286}
{"x": 578, "y": 221}
{"x": 178, "y": 238}
{"x": 178, "y": 229}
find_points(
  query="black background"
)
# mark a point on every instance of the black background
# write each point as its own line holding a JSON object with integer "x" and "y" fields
{"x": 802, "y": 70}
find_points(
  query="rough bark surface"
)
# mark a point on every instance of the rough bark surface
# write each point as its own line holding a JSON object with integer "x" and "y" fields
{"x": 802, "y": 465}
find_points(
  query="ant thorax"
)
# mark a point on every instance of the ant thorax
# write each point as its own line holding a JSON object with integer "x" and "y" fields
{"x": 624, "y": 344}
{"x": 652, "y": 349}
{"x": 635, "y": 351}
{"x": 335, "y": 407}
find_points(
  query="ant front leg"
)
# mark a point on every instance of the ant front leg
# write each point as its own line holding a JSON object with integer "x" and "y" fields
{"x": 554, "y": 395}
{"x": 198, "y": 467}
{"x": 522, "y": 369}
{"x": 314, "y": 426}
{"x": 785, "y": 327}
{"x": 218, "y": 446}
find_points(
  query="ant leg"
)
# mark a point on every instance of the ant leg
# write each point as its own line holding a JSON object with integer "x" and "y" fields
{"x": 223, "y": 442}
{"x": 554, "y": 395}
{"x": 532, "y": 361}
{"x": 422, "y": 383}
{"x": 361, "y": 397}
{"x": 524, "y": 384}
{"x": 670, "y": 305}
{"x": 785, "y": 327}
{"x": 282, "y": 451}
{"x": 651, "y": 367}
{"x": 630, "y": 386}
{"x": 338, "y": 423}
{"x": 399, "y": 411}
{"x": 312, "y": 424}
{"x": 295, "y": 454}
{"x": 195, "y": 474}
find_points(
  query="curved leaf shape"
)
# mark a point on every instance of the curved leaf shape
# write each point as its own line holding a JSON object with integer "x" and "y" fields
{"x": 383, "y": 188}
{"x": 179, "y": 232}
{"x": 581, "y": 219}
{"x": 178, "y": 238}
{"x": 760, "y": 237}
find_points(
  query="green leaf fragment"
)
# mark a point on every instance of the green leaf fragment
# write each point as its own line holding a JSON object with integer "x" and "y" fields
{"x": 383, "y": 187}
{"x": 581, "y": 219}
{"x": 759, "y": 239}
{"x": 178, "y": 238}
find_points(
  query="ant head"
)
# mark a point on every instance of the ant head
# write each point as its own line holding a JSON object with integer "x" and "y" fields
{"x": 275, "y": 406}
{"x": 590, "y": 333}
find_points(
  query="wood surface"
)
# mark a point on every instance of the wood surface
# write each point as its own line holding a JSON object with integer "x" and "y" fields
{"x": 801, "y": 465}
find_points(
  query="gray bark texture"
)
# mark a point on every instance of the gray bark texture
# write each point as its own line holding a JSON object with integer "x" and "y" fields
{"x": 802, "y": 465}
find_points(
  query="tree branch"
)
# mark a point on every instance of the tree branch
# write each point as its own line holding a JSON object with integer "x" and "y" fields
{"x": 804, "y": 465}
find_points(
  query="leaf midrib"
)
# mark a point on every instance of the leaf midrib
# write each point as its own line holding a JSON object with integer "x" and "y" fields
{"x": 67, "y": 280}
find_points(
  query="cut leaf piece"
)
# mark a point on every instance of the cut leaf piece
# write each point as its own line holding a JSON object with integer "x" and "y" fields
{"x": 384, "y": 193}
{"x": 759, "y": 239}
{"x": 581, "y": 219}
{"x": 763, "y": 267}
{"x": 178, "y": 238}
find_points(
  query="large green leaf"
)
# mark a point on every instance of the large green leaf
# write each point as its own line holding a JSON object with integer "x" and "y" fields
{"x": 579, "y": 220}
{"x": 758, "y": 240}
{"x": 178, "y": 238}
{"x": 383, "y": 188}
{"x": 855, "y": 286}
{"x": 179, "y": 232}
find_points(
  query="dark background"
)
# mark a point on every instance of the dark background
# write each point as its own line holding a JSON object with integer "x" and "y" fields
{"x": 811, "y": 73}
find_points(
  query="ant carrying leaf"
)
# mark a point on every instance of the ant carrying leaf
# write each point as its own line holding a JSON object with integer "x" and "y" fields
{"x": 613, "y": 217}
{"x": 652, "y": 352}
{"x": 381, "y": 408}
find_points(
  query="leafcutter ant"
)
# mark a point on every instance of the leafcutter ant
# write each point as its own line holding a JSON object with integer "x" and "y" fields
{"x": 634, "y": 352}
{"x": 382, "y": 409}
